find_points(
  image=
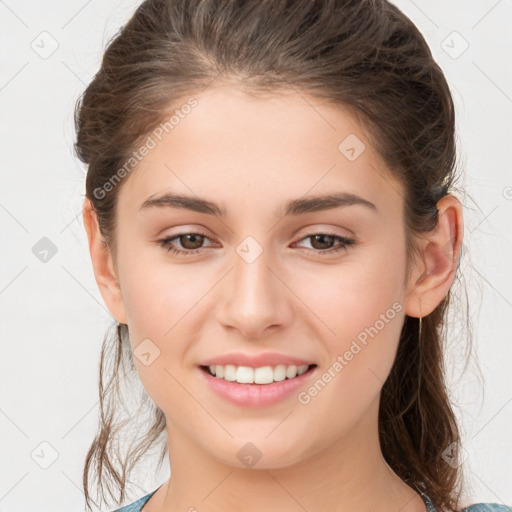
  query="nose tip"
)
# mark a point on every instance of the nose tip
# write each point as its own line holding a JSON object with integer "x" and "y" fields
{"x": 255, "y": 299}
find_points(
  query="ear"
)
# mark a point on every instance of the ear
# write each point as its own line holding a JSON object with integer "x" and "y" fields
{"x": 103, "y": 265}
{"x": 440, "y": 251}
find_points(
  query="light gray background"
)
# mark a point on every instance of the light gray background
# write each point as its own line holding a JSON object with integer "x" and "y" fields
{"x": 53, "y": 318}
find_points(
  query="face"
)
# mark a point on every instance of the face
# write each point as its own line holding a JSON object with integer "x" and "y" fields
{"x": 326, "y": 285}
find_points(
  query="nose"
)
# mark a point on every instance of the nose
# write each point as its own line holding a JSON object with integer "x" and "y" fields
{"x": 254, "y": 298}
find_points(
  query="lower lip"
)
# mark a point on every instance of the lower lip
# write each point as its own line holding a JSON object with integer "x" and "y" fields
{"x": 256, "y": 395}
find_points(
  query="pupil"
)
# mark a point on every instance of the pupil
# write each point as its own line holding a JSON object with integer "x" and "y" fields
{"x": 321, "y": 237}
{"x": 193, "y": 235}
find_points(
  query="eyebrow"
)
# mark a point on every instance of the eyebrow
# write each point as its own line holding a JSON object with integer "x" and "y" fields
{"x": 293, "y": 207}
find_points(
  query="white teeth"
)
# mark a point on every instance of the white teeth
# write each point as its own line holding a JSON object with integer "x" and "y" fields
{"x": 280, "y": 372}
{"x": 245, "y": 375}
{"x": 229, "y": 372}
{"x": 291, "y": 371}
{"x": 261, "y": 375}
{"x": 302, "y": 369}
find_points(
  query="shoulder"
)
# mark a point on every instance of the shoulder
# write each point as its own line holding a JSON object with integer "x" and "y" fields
{"x": 487, "y": 507}
{"x": 137, "y": 505}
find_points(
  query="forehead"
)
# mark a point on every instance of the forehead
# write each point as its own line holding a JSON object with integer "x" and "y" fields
{"x": 233, "y": 147}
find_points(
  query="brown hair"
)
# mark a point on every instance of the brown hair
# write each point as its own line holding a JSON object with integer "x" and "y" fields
{"x": 364, "y": 54}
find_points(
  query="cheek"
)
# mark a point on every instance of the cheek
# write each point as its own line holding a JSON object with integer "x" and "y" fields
{"x": 158, "y": 295}
{"x": 352, "y": 295}
{"x": 366, "y": 316}
{"x": 359, "y": 308}
{"x": 162, "y": 301}
{"x": 159, "y": 302}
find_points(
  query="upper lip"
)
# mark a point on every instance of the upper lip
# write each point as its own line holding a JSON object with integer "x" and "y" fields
{"x": 255, "y": 360}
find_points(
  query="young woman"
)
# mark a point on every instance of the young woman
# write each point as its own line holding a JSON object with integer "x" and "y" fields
{"x": 271, "y": 222}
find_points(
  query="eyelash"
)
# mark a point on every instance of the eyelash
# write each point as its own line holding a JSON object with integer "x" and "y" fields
{"x": 344, "y": 243}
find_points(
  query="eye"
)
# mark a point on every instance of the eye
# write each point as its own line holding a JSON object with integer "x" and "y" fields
{"x": 191, "y": 243}
{"x": 323, "y": 239}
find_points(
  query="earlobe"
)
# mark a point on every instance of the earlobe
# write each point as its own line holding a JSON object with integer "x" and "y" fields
{"x": 103, "y": 265}
{"x": 440, "y": 253}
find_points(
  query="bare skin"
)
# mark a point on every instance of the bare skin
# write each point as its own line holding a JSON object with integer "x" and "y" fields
{"x": 250, "y": 156}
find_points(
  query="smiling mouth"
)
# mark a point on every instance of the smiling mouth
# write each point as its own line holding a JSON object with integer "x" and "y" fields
{"x": 257, "y": 376}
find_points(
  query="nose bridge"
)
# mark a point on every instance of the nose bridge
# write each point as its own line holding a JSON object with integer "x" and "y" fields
{"x": 254, "y": 298}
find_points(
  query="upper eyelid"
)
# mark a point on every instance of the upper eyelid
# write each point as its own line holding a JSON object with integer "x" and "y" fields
{"x": 310, "y": 232}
